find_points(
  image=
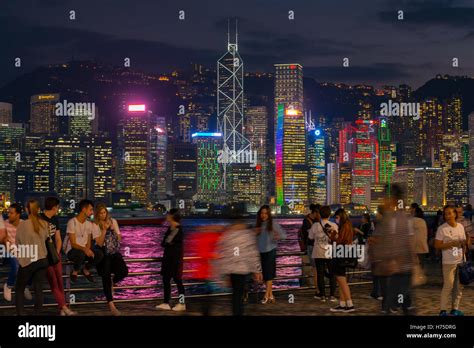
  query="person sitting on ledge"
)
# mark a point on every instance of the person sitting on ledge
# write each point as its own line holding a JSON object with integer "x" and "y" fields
{"x": 79, "y": 250}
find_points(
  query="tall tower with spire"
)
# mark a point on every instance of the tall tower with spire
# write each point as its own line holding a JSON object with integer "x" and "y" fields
{"x": 230, "y": 108}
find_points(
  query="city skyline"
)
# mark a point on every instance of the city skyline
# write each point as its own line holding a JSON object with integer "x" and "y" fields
{"x": 223, "y": 138}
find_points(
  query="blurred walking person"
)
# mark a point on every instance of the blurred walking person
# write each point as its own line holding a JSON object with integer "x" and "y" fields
{"x": 394, "y": 254}
{"x": 451, "y": 240}
{"x": 269, "y": 232}
{"x": 238, "y": 258}
{"x": 420, "y": 229}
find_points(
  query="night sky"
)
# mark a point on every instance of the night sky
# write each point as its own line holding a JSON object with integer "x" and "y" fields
{"x": 382, "y": 50}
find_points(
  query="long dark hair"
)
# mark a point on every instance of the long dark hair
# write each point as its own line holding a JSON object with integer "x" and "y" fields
{"x": 269, "y": 221}
{"x": 343, "y": 217}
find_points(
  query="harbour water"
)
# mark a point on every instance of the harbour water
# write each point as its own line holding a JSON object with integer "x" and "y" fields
{"x": 144, "y": 242}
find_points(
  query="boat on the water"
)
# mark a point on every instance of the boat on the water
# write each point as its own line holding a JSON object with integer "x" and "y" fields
{"x": 137, "y": 217}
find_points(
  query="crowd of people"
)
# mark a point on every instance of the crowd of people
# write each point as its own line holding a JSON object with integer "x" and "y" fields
{"x": 396, "y": 243}
{"x": 38, "y": 252}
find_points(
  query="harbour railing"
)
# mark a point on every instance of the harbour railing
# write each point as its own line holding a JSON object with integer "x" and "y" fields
{"x": 357, "y": 276}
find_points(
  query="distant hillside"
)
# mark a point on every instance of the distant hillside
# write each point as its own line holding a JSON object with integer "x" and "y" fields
{"x": 445, "y": 87}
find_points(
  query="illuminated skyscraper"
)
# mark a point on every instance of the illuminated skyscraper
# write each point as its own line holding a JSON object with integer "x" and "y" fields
{"x": 83, "y": 124}
{"x": 11, "y": 139}
{"x": 43, "y": 119}
{"x": 385, "y": 159}
{"x": 100, "y": 158}
{"x": 429, "y": 188}
{"x": 290, "y": 159}
{"x": 332, "y": 183}
{"x": 134, "y": 152}
{"x": 457, "y": 187}
{"x": 208, "y": 176}
{"x": 289, "y": 86}
{"x": 345, "y": 183}
{"x": 38, "y": 161}
{"x": 377, "y": 196}
{"x": 365, "y": 161}
{"x": 183, "y": 159}
{"x": 158, "y": 160}
{"x": 288, "y": 92}
{"x": 317, "y": 166}
{"x": 70, "y": 167}
{"x": 5, "y": 113}
{"x": 230, "y": 107}
{"x": 430, "y": 129}
{"x": 452, "y": 119}
{"x": 256, "y": 130}
{"x": 404, "y": 177}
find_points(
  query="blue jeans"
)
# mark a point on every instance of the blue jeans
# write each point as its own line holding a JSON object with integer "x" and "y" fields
{"x": 13, "y": 262}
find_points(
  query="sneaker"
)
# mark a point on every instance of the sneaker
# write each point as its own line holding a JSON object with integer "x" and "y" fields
{"x": 179, "y": 307}
{"x": 318, "y": 296}
{"x": 349, "y": 309}
{"x": 164, "y": 306}
{"x": 380, "y": 298}
{"x": 28, "y": 295}
{"x": 7, "y": 293}
{"x": 457, "y": 313}
{"x": 323, "y": 299}
{"x": 443, "y": 314}
{"x": 66, "y": 312}
{"x": 393, "y": 310}
{"x": 332, "y": 299}
{"x": 338, "y": 309}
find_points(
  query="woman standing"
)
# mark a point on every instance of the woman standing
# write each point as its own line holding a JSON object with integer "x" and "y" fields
{"x": 420, "y": 229}
{"x": 112, "y": 263}
{"x": 31, "y": 233}
{"x": 451, "y": 240}
{"x": 172, "y": 264}
{"x": 269, "y": 233}
{"x": 344, "y": 237}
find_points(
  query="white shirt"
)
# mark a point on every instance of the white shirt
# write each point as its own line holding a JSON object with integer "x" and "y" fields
{"x": 446, "y": 234}
{"x": 321, "y": 240}
{"x": 82, "y": 231}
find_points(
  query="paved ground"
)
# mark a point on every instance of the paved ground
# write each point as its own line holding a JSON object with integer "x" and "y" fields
{"x": 291, "y": 302}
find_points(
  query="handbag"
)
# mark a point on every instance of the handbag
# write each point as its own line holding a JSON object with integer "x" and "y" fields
{"x": 348, "y": 262}
{"x": 466, "y": 271}
{"x": 111, "y": 243}
{"x": 52, "y": 254}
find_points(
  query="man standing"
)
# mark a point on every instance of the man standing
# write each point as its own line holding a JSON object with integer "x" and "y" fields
{"x": 80, "y": 233}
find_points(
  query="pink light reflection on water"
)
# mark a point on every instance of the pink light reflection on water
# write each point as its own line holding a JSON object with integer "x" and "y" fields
{"x": 145, "y": 242}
